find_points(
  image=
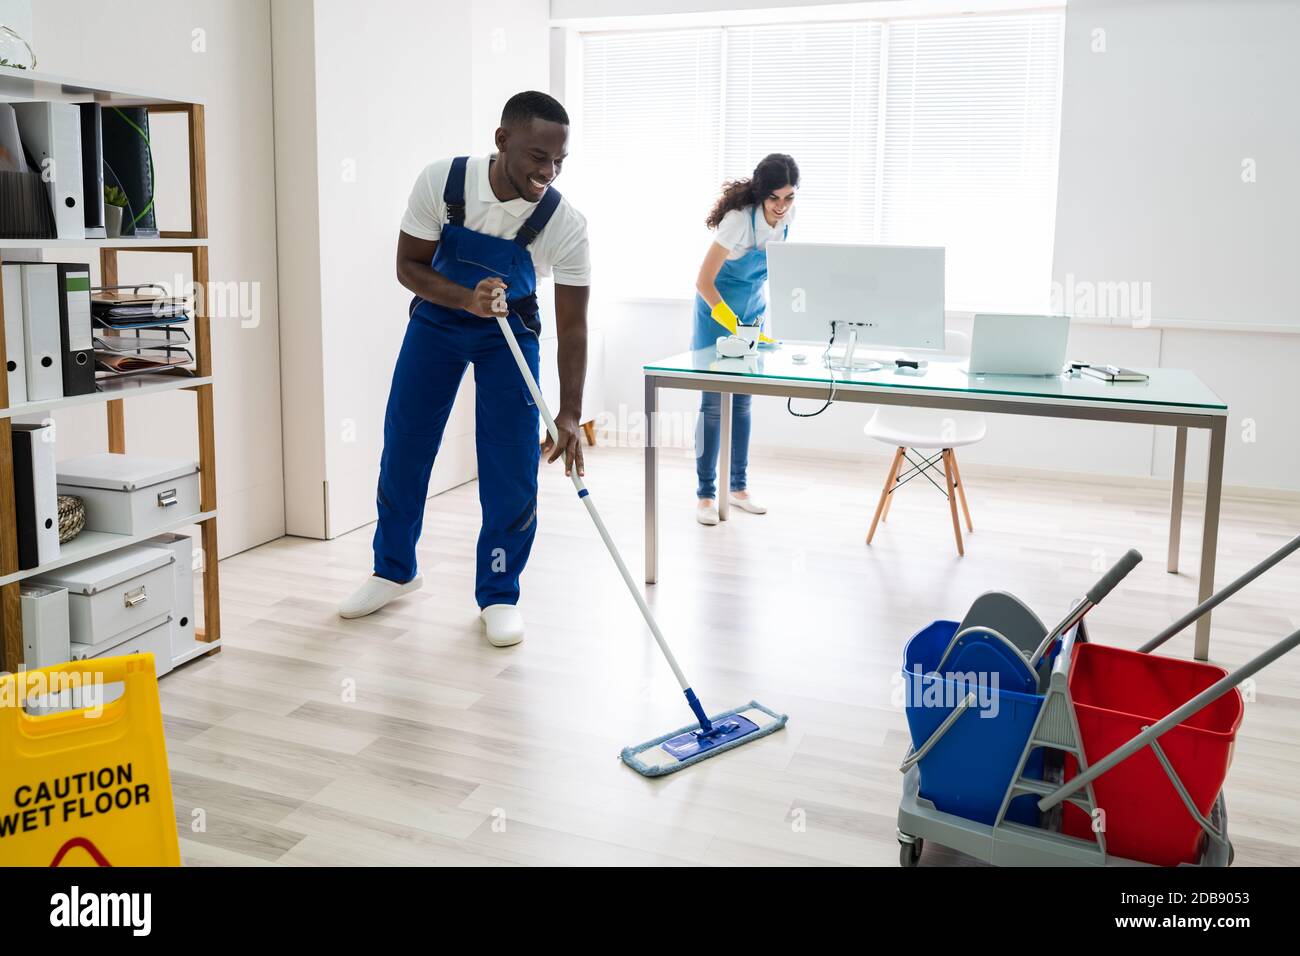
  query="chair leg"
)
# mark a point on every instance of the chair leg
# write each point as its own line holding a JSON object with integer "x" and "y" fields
{"x": 961, "y": 490}
{"x": 952, "y": 501}
{"x": 884, "y": 495}
{"x": 589, "y": 429}
{"x": 889, "y": 498}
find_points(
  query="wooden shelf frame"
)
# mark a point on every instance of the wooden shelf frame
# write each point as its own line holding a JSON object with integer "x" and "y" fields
{"x": 11, "y": 632}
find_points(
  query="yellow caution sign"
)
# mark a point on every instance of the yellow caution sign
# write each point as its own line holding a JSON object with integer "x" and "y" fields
{"x": 86, "y": 786}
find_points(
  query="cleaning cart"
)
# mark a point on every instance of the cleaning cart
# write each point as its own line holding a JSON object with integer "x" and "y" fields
{"x": 1119, "y": 756}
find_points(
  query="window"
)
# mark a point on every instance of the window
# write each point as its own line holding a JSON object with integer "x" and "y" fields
{"x": 647, "y": 160}
{"x": 924, "y": 131}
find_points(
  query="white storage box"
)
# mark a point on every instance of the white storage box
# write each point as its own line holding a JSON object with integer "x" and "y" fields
{"x": 45, "y": 625}
{"x": 128, "y": 494}
{"x": 183, "y": 606}
{"x": 156, "y": 639}
{"x": 124, "y": 590}
{"x": 81, "y": 652}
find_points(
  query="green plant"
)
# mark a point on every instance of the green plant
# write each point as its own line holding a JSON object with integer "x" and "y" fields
{"x": 16, "y": 66}
{"x": 114, "y": 196}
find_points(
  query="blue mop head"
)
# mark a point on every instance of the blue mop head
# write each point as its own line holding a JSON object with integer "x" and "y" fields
{"x": 651, "y": 760}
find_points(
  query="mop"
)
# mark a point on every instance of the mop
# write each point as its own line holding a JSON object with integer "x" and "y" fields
{"x": 707, "y": 736}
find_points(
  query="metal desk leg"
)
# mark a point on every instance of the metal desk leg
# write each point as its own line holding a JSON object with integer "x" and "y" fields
{"x": 651, "y": 481}
{"x": 724, "y": 459}
{"x": 1176, "y": 499}
{"x": 1210, "y": 534}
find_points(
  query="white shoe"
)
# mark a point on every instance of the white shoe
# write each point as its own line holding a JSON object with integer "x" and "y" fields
{"x": 707, "y": 514}
{"x": 375, "y": 593}
{"x": 503, "y": 624}
{"x": 748, "y": 504}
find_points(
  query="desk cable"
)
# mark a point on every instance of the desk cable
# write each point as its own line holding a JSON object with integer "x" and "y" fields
{"x": 830, "y": 398}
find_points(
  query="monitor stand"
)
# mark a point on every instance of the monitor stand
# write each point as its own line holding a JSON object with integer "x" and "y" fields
{"x": 850, "y": 363}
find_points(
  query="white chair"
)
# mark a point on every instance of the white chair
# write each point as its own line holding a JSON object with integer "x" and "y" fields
{"x": 923, "y": 431}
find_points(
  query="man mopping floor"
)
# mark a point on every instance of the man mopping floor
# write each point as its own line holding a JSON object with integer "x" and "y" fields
{"x": 478, "y": 232}
{"x": 504, "y": 221}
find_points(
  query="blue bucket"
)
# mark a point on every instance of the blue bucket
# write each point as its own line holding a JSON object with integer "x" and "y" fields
{"x": 969, "y": 769}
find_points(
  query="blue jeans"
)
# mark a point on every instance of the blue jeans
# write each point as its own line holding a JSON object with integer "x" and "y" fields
{"x": 708, "y": 436}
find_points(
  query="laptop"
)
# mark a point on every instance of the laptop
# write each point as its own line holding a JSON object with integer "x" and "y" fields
{"x": 1019, "y": 344}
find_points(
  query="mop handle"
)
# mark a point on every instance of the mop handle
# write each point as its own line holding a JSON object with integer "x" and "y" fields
{"x": 1214, "y": 600}
{"x": 585, "y": 497}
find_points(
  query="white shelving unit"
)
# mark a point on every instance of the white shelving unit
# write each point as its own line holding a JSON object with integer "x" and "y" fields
{"x": 22, "y": 85}
{"x": 91, "y": 544}
{"x": 124, "y": 245}
{"x": 112, "y": 391}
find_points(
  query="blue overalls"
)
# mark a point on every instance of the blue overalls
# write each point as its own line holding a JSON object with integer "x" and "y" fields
{"x": 741, "y": 283}
{"x": 440, "y": 342}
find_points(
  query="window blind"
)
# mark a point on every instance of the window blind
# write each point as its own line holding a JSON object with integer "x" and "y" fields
{"x": 647, "y": 160}
{"x": 970, "y": 160}
{"x": 922, "y": 131}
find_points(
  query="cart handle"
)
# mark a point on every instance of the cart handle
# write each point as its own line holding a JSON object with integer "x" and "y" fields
{"x": 1214, "y": 600}
{"x": 1201, "y": 700}
{"x": 914, "y": 757}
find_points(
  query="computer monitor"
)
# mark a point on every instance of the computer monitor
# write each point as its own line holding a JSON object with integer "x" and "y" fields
{"x": 889, "y": 296}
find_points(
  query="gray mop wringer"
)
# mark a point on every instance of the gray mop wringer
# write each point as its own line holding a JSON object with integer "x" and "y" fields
{"x": 707, "y": 737}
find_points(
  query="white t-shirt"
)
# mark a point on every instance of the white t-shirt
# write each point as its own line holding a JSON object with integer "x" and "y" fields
{"x": 734, "y": 233}
{"x": 560, "y": 248}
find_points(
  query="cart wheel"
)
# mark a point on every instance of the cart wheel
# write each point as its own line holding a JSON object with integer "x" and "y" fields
{"x": 910, "y": 853}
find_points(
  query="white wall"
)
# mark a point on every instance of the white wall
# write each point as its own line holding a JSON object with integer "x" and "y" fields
{"x": 1163, "y": 103}
{"x": 1167, "y": 107}
{"x": 447, "y": 68}
{"x": 231, "y": 75}
{"x": 373, "y": 140}
{"x": 17, "y": 16}
{"x": 1152, "y": 137}
{"x": 298, "y": 243}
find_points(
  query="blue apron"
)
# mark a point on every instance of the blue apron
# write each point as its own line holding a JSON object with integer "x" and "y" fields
{"x": 439, "y": 344}
{"x": 740, "y": 283}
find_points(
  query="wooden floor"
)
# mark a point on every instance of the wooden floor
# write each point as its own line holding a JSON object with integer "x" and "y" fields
{"x": 404, "y": 738}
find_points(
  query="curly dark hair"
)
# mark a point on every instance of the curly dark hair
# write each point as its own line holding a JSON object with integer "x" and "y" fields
{"x": 774, "y": 171}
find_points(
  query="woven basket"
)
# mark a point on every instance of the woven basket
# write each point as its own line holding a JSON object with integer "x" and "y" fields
{"x": 72, "y": 517}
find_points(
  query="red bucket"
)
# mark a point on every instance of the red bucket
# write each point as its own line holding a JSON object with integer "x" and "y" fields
{"x": 1117, "y": 693}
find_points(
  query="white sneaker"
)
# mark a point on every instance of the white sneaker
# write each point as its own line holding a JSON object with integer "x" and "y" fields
{"x": 375, "y": 593}
{"x": 748, "y": 504}
{"x": 707, "y": 514}
{"x": 503, "y": 624}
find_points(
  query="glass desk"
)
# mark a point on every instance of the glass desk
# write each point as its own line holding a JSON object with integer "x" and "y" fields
{"x": 1171, "y": 397}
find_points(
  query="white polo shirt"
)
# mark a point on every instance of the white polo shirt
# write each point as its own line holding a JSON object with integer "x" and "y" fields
{"x": 560, "y": 248}
{"x": 738, "y": 236}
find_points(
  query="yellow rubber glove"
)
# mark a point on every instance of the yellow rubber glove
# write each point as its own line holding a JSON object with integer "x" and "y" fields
{"x": 765, "y": 339}
{"x": 723, "y": 315}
